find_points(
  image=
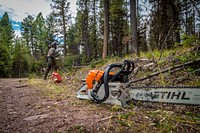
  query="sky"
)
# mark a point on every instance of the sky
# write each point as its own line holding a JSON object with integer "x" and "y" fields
{"x": 19, "y": 9}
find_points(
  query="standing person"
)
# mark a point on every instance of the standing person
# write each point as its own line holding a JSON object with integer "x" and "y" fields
{"x": 51, "y": 60}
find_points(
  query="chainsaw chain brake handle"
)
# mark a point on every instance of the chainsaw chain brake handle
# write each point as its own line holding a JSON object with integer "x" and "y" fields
{"x": 122, "y": 75}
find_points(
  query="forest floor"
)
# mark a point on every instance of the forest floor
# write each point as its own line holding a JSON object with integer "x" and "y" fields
{"x": 38, "y": 106}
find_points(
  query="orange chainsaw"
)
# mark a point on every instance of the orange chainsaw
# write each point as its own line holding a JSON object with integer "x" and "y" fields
{"x": 115, "y": 88}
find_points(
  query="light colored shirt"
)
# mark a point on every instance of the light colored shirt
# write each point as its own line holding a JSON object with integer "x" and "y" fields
{"x": 51, "y": 52}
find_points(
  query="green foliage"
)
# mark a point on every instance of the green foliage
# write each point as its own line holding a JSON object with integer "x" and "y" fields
{"x": 69, "y": 61}
{"x": 57, "y": 132}
{"x": 116, "y": 108}
{"x": 117, "y": 26}
{"x": 6, "y": 39}
{"x": 188, "y": 56}
{"x": 96, "y": 63}
{"x": 155, "y": 54}
{"x": 100, "y": 62}
{"x": 5, "y": 25}
{"x": 28, "y": 31}
{"x": 197, "y": 115}
{"x": 188, "y": 41}
{"x": 35, "y": 34}
{"x": 22, "y": 61}
{"x": 41, "y": 35}
{"x": 5, "y": 62}
{"x": 62, "y": 16}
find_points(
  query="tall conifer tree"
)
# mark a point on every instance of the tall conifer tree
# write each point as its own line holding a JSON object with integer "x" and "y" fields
{"x": 6, "y": 40}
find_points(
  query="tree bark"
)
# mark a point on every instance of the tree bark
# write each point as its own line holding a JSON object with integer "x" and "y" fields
{"x": 133, "y": 19}
{"x": 106, "y": 28}
{"x": 64, "y": 27}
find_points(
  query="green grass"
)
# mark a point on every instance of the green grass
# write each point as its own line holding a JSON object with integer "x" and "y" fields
{"x": 53, "y": 91}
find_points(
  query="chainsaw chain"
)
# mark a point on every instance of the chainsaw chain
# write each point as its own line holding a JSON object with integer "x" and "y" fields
{"x": 167, "y": 87}
{"x": 154, "y": 102}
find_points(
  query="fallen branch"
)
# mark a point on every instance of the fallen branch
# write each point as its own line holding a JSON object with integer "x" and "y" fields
{"x": 172, "y": 69}
{"x": 20, "y": 86}
{"x": 103, "y": 119}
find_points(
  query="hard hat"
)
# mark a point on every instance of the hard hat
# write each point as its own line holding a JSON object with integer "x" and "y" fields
{"x": 54, "y": 44}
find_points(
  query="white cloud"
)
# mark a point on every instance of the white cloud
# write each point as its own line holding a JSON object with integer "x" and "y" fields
{"x": 73, "y": 7}
{"x": 23, "y": 7}
{"x": 18, "y": 9}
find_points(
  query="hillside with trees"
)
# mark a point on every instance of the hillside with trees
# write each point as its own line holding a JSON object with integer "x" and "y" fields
{"x": 101, "y": 29}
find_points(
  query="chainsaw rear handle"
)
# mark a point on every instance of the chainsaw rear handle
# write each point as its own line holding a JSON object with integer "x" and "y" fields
{"x": 105, "y": 81}
{"x": 106, "y": 77}
{"x": 125, "y": 69}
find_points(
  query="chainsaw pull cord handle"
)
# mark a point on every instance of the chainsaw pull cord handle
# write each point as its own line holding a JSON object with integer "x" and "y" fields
{"x": 105, "y": 81}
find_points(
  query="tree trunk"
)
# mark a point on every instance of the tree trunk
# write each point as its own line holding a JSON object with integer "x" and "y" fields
{"x": 87, "y": 49}
{"x": 133, "y": 20}
{"x": 64, "y": 28}
{"x": 106, "y": 28}
{"x": 94, "y": 31}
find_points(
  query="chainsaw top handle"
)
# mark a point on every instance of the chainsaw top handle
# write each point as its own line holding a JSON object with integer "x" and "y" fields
{"x": 126, "y": 68}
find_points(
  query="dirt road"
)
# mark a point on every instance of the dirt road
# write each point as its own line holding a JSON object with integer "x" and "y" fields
{"x": 24, "y": 110}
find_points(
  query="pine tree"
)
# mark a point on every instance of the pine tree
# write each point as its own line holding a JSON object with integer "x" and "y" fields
{"x": 83, "y": 29}
{"x": 51, "y": 28}
{"x": 22, "y": 61}
{"x": 41, "y": 36}
{"x": 117, "y": 24}
{"x": 78, "y": 36}
{"x": 93, "y": 31}
{"x": 61, "y": 13}
{"x": 28, "y": 32}
{"x": 6, "y": 41}
{"x": 6, "y": 24}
